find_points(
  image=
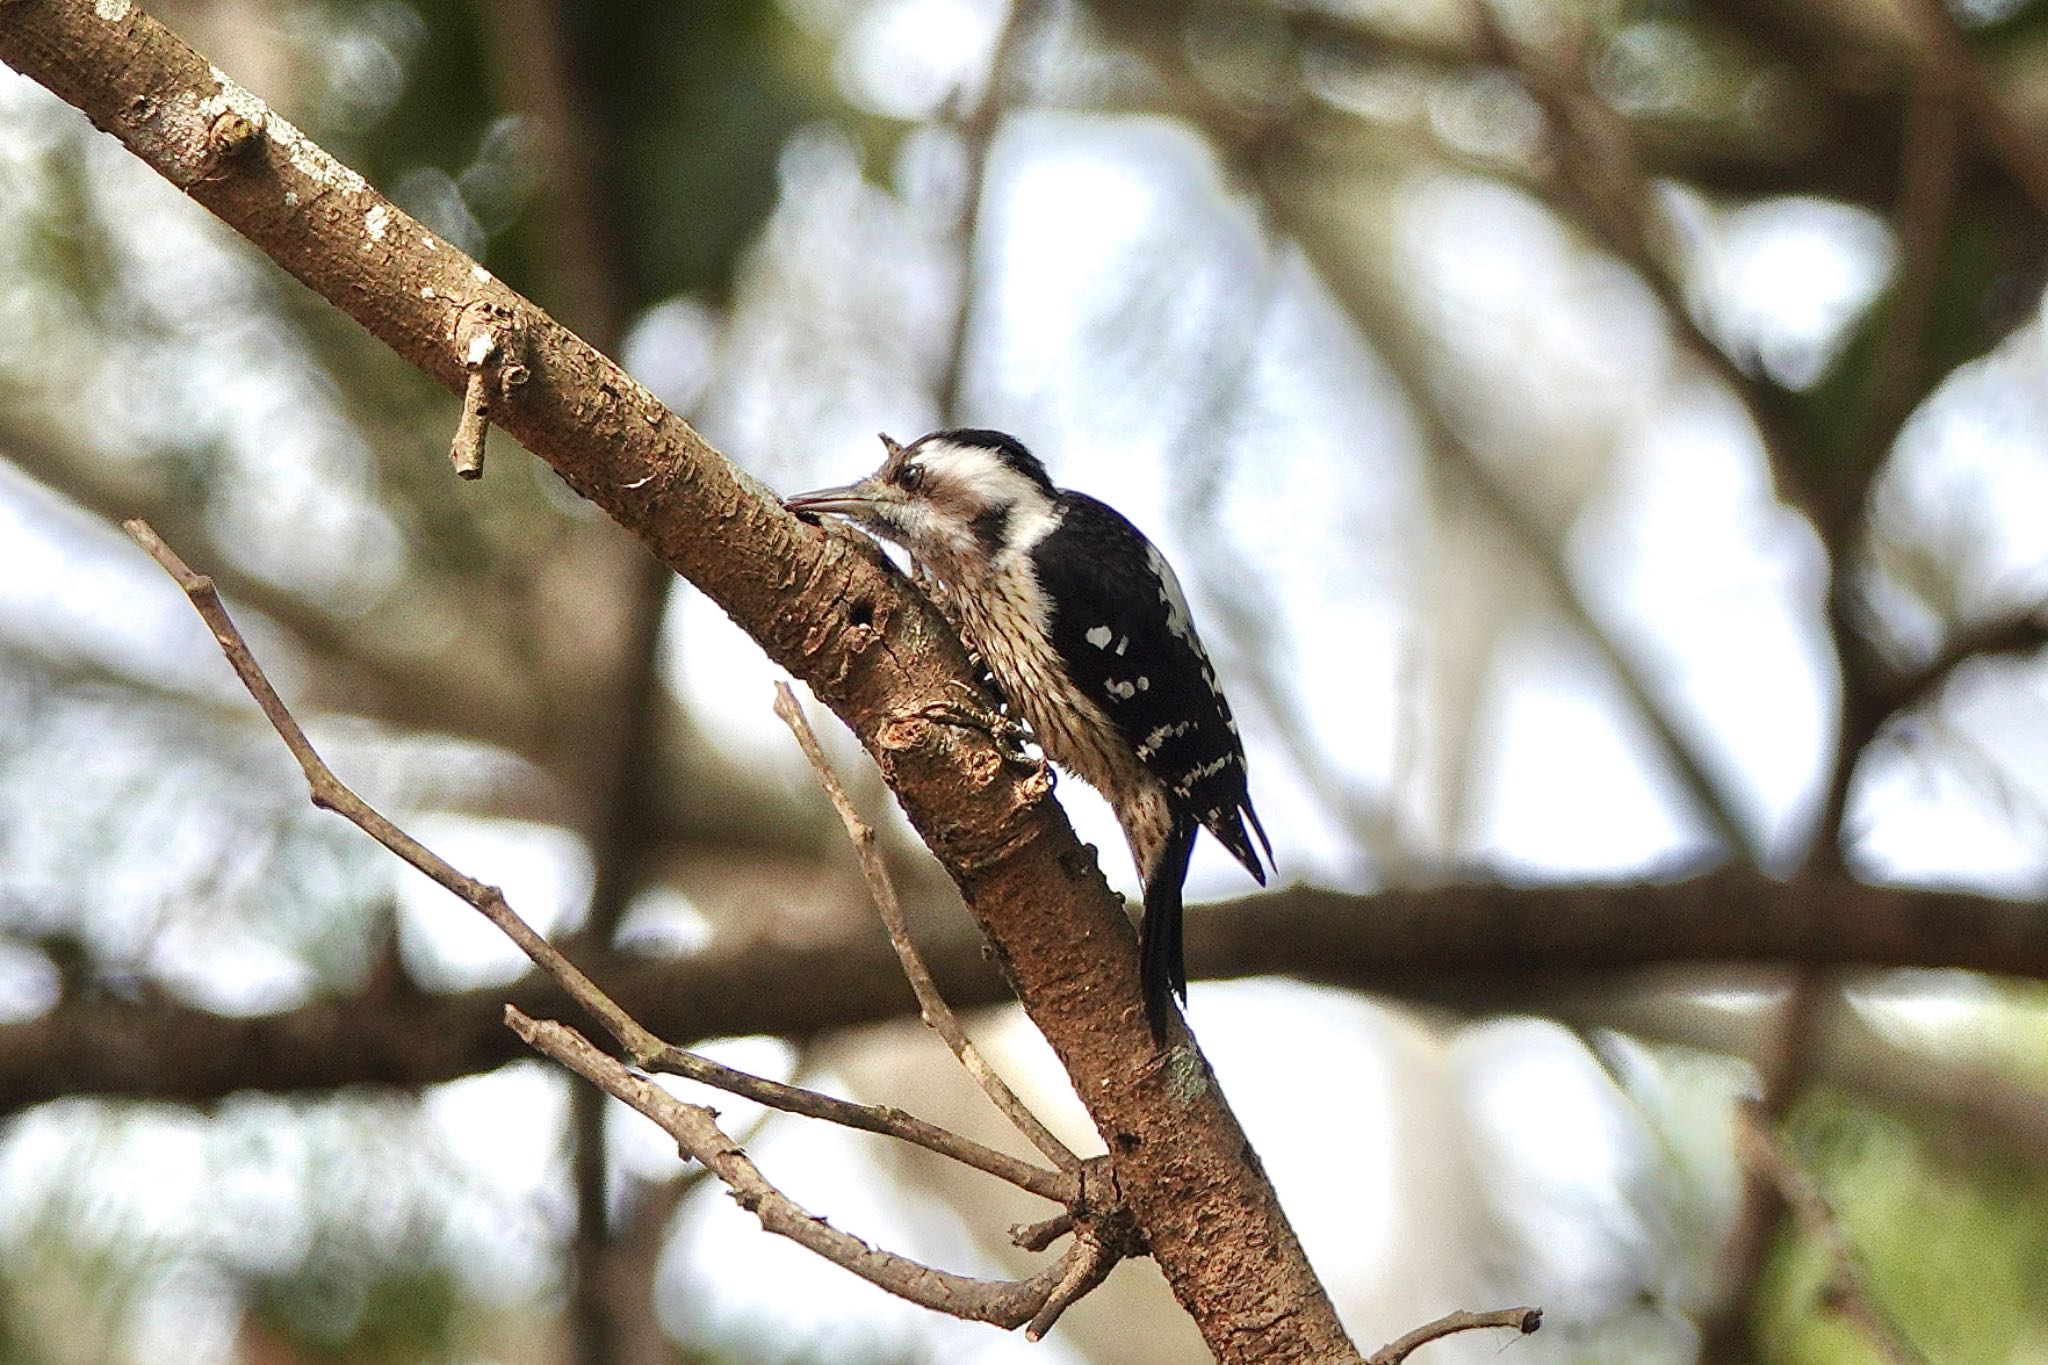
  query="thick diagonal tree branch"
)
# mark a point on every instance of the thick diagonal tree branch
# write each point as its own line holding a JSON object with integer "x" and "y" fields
{"x": 825, "y": 606}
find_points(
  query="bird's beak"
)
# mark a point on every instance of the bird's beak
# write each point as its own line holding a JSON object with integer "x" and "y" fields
{"x": 847, "y": 500}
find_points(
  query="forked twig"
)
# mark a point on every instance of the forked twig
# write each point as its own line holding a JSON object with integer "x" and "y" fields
{"x": 696, "y": 1131}
{"x": 931, "y": 1005}
{"x": 885, "y": 1119}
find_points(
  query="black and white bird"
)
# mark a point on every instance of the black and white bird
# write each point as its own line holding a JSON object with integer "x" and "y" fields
{"x": 1080, "y": 620}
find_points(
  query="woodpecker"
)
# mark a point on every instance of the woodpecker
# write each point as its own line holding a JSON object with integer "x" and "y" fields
{"x": 1085, "y": 629}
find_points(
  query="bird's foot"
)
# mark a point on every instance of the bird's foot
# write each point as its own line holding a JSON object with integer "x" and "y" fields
{"x": 1012, "y": 739}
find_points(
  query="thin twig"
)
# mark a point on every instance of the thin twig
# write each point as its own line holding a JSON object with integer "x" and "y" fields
{"x": 1039, "y": 1236}
{"x": 1523, "y": 1320}
{"x": 642, "y": 1047}
{"x": 931, "y": 1005}
{"x": 696, "y": 1131}
{"x": 2008, "y": 636}
{"x": 1088, "y": 1263}
{"x": 1847, "y": 1292}
{"x": 887, "y": 1120}
{"x": 466, "y": 451}
{"x": 329, "y": 793}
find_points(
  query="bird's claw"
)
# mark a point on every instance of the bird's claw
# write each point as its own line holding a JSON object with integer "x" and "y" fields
{"x": 1012, "y": 739}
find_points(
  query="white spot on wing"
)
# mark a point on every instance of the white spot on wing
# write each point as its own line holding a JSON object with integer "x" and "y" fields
{"x": 1159, "y": 737}
{"x": 1099, "y": 637}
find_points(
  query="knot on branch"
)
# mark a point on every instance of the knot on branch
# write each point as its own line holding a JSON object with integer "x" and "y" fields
{"x": 230, "y": 138}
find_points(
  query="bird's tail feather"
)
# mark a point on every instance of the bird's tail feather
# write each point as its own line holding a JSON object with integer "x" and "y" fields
{"x": 1230, "y": 828}
{"x": 1162, "y": 967}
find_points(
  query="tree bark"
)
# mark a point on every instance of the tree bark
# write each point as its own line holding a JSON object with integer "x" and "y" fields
{"x": 826, "y": 606}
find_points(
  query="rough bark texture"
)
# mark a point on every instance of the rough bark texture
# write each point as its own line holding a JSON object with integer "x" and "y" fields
{"x": 825, "y": 606}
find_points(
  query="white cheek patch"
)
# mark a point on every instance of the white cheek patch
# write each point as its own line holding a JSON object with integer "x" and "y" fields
{"x": 972, "y": 475}
{"x": 971, "y": 480}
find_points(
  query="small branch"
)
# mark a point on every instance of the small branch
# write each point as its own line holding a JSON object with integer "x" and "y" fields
{"x": 1603, "y": 184}
{"x": 329, "y": 793}
{"x": 1523, "y": 1320}
{"x": 931, "y": 1005}
{"x": 1039, "y": 1236}
{"x": 487, "y": 339}
{"x": 692, "y": 1125}
{"x": 1847, "y": 1292}
{"x": 1365, "y": 303}
{"x": 1783, "y": 1064}
{"x": 697, "y": 1134}
{"x": 641, "y": 1046}
{"x": 1087, "y": 1263}
{"x": 467, "y": 450}
{"x": 886, "y": 1120}
{"x": 2007, "y": 636}
{"x": 1899, "y": 382}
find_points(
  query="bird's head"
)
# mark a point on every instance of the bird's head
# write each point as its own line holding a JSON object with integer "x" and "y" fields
{"x": 949, "y": 494}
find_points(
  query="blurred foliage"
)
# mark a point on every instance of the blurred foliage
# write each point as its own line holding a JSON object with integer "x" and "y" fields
{"x": 1953, "y": 1234}
{"x": 694, "y": 125}
{"x": 346, "y": 1306}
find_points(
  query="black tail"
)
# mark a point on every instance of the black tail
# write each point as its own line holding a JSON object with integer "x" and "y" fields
{"x": 1162, "y": 969}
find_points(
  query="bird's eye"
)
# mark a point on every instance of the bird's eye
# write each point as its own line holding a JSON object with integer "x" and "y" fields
{"x": 911, "y": 477}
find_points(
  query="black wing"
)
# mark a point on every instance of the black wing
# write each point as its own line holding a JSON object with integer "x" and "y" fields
{"x": 1120, "y": 622}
